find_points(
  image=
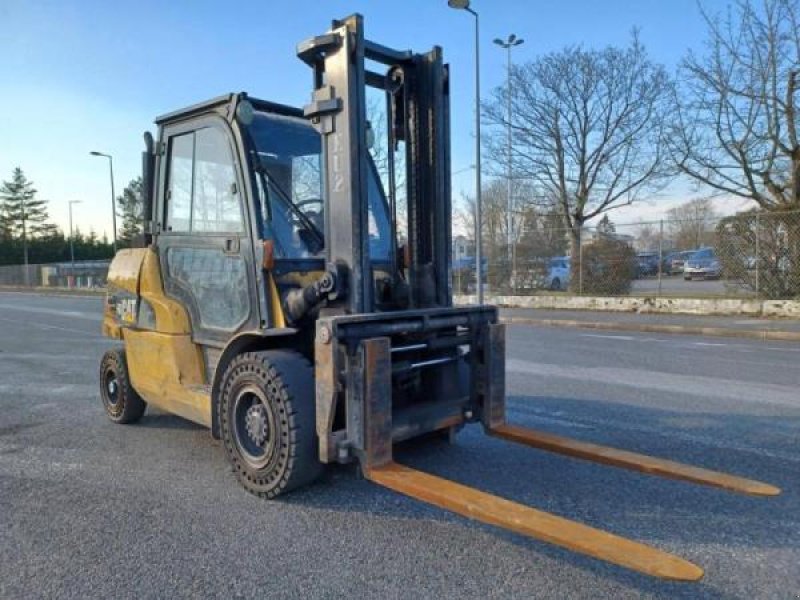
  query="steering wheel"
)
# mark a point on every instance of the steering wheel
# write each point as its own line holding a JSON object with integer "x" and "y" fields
{"x": 315, "y": 216}
{"x": 308, "y": 201}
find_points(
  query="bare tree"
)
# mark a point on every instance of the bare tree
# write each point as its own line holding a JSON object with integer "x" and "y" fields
{"x": 379, "y": 151}
{"x": 587, "y": 128}
{"x": 737, "y": 128}
{"x": 648, "y": 237}
{"x": 692, "y": 224}
{"x": 493, "y": 235}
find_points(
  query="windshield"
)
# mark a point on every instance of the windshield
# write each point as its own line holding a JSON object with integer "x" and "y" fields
{"x": 290, "y": 182}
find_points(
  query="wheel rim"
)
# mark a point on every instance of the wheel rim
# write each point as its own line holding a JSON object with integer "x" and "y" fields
{"x": 111, "y": 387}
{"x": 254, "y": 429}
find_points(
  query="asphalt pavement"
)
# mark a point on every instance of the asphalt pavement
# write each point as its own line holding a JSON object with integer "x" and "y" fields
{"x": 93, "y": 509}
{"x": 731, "y": 323}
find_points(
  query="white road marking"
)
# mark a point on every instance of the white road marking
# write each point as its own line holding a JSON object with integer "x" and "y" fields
{"x": 626, "y": 338}
{"x": 56, "y": 327}
{"x": 755, "y": 346}
{"x": 11, "y": 355}
{"x": 73, "y": 314}
{"x": 602, "y": 424}
{"x": 32, "y": 388}
{"x": 692, "y": 385}
{"x": 688, "y": 345}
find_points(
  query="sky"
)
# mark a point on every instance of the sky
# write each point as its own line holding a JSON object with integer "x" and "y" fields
{"x": 77, "y": 76}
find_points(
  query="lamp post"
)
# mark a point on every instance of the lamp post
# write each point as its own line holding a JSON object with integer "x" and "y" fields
{"x": 113, "y": 195}
{"x": 24, "y": 240}
{"x": 464, "y": 5}
{"x": 509, "y": 43}
{"x": 72, "y": 236}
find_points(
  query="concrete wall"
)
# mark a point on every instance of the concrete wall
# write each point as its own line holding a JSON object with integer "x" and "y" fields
{"x": 647, "y": 304}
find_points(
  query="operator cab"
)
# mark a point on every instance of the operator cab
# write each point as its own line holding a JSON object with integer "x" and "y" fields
{"x": 241, "y": 186}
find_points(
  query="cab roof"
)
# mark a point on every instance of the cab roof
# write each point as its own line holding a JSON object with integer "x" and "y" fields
{"x": 230, "y": 100}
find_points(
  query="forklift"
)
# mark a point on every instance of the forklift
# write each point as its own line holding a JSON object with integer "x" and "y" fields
{"x": 290, "y": 297}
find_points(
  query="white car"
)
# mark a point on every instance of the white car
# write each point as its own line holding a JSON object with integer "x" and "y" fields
{"x": 558, "y": 272}
{"x": 703, "y": 264}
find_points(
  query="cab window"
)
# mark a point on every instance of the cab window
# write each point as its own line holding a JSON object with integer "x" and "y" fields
{"x": 201, "y": 186}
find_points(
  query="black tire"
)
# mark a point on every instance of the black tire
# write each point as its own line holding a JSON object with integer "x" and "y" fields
{"x": 122, "y": 403}
{"x": 555, "y": 285}
{"x": 266, "y": 413}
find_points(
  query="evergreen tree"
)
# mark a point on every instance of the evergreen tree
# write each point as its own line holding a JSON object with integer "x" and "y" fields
{"x": 605, "y": 226}
{"x": 130, "y": 204}
{"x": 23, "y": 216}
{"x": 5, "y": 226}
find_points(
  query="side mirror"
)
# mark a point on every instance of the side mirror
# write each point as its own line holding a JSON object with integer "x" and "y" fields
{"x": 370, "y": 135}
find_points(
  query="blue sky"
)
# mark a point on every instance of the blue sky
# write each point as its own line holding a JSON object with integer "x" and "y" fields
{"x": 88, "y": 75}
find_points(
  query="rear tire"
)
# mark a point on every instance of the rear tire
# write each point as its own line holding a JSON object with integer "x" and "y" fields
{"x": 555, "y": 285}
{"x": 266, "y": 413}
{"x": 122, "y": 403}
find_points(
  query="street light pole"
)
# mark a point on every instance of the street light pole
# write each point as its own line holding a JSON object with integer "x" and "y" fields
{"x": 464, "y": 5}
{"x": 72, "y": 236}
{"x": 113, "y": 194}
{"x": 509, "y": 43}
{"x": 25, "y": 240}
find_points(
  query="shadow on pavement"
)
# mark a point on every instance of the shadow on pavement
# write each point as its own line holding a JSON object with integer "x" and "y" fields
{"x": 159, "y": 420}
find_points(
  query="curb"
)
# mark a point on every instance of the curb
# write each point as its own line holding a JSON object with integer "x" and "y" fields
{"x": 674, "y": 305}
{"x": 763, "y": 334}
{"x": 48, "y": 291}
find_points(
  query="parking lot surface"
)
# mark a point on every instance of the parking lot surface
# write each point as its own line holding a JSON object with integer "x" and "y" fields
{"x": 676, "y": 285}
{"x": 93, "y": 509}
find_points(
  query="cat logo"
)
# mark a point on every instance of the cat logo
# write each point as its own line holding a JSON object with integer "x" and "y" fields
{"x": 126, "y": 309}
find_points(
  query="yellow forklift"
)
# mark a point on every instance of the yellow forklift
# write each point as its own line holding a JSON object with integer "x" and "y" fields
{"x": 272, "y": 300}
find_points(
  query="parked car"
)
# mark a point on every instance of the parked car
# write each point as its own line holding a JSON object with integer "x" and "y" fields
{"x": 666, "y": 261}
{"x": 678, "y": 260}
{"x": 558, "y": 273}
{"x": 646, "y": 264}
{"x": 703, "y": 264}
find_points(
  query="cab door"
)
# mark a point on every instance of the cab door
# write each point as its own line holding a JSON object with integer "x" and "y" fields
{"x": 205, "y": 251}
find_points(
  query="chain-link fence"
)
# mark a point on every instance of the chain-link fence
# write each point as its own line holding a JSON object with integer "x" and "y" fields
{"x": 81, "y": 274}
{"x": 752, "y": 254}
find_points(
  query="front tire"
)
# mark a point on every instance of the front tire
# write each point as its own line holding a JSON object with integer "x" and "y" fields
{"x": 122, "y": 403}
{"x": 266, "y": 414}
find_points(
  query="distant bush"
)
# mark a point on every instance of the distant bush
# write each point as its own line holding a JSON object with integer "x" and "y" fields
{"x": 762, "y": 250}
{"x": 608, "y": 266}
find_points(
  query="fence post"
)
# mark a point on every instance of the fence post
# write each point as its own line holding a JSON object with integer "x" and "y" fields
{"x": 758, "y": 257}
{"x": 660, "y": 252}
{"x": 580, "y": 259}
